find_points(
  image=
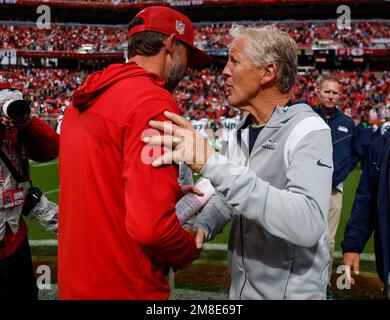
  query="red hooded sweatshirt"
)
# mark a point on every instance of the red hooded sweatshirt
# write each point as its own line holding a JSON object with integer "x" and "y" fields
{"x": 118, "y": 231}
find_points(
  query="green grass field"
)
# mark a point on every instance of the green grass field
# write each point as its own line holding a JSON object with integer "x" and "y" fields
{"x": 45, "y": 176}
{"x": 208, "y": 277}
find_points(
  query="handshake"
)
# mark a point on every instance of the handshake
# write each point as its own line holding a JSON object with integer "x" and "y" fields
{"x": 194, "y": 200}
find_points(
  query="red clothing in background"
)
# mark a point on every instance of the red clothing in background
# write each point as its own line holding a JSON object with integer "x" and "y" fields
{"x": 42, "y": 144}
{"x": 118, "y": 231}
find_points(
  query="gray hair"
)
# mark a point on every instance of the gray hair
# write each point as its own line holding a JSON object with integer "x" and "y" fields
{"x": 268, "y": 44}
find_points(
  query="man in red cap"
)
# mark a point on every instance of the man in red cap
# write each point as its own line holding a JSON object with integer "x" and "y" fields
{"x": 118, "y": 231}
{"x": 19, "y": 141}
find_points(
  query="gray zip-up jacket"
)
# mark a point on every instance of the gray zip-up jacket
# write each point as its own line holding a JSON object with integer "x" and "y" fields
{"x": 278, "y": 199}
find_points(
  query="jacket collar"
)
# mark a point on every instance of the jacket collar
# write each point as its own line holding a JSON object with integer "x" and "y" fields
{"x": 334, "y": 114}
{"x": 247, "y": 121}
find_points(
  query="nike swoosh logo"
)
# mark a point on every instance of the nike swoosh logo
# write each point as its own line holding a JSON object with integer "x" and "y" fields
{"x": 319, "y": 163}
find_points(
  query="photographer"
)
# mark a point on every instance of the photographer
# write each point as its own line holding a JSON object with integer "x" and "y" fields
{"x": 22, "y": 138}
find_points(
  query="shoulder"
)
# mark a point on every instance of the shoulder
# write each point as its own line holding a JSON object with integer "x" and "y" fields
{"x": 137, "y": 97}
{"x": 306, "y": 118}
{"x": 304, "y": 126}
{"x": 153, "y": 108}
{"x": 308, "y": 132}
{"x": 302, "y": 122}
{"x": 317, "y": 109}
{"x": 149, "y": 101}
{"x": 139, "y": 90}
{"x": 346, "y": 119}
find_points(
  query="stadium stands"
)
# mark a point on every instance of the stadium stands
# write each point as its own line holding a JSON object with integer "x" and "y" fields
{"x": 63, "y": 38}
{"x": 87, "y": 35}
{"x": 212, "y": 36}
{"x": 175, "y": 2}
{"x": 48, "y": 89}
{"x": 363, "y": 34}
{"x": 203, "y": 91}
{"x": 364, "y": 93}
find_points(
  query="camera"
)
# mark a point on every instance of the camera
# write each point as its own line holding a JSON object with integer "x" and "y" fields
{"x": 17, "y": 110}
{"x": 32, "y": 198}
{"x": 14, "y": 107}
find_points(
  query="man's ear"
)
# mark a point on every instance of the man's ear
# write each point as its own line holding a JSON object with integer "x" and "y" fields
{"x": 169, "y": 43}
{"x": 269, "y": 73}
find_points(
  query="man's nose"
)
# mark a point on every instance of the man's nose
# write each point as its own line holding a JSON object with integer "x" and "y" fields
{"x": 226, "y": 72}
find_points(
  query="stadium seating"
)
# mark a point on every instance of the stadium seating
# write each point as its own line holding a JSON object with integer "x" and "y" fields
{"x": 306, "y": 33}
{"x": 47, "y": 89}
{"x": 62, "y": 38}
{"x": 171, "y": 2}
{"x": 100, "y": 38}
{"x": 362, "y": 92}
{"x": 203, "y": 91}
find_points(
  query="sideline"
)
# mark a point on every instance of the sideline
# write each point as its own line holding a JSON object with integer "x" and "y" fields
{"x": 207, "y": 246}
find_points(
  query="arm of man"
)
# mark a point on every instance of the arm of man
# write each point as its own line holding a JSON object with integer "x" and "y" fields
{"x": 213, "y": 217}
{"x": 297, "y": 213}
{"x": 360, "y": 225}
{"x": 41, "y": 140}
{"x": 356, "y": 150}
{"x": 151, "y": 193}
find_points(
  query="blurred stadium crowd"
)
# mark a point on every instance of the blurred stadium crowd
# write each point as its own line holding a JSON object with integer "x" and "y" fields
{"x": 201, "y": 94}
{"x": 62, "y": 37}
{"x": 212, "y": 36}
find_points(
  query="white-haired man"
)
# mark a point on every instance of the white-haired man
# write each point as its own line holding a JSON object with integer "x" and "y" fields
{"x": 274, "y": 184}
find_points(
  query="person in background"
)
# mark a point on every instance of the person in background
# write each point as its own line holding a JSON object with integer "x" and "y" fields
{"x": 229, "y": 123}
{"x": 370, "y": 213}
{"x": 118, "y": 231}
{"x": 365, "y": 135}
{"x": 30, "y": 138}
{"x": 346, "y": 152}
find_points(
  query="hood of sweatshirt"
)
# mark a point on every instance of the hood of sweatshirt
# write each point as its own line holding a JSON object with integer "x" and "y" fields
{"x": 99, "y": 81}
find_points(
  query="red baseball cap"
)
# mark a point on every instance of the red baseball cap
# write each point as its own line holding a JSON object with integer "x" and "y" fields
{"x": 4, "y": 83}
{"x": 168, "y": 21}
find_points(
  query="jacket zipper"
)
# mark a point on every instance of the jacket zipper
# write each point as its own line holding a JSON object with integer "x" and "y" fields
{"x": 343, "y": 138}
{"x": 241, "y": 222}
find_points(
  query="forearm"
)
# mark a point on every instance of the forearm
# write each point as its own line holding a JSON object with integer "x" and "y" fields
{"x": 42, "y": 141}
{"x": 360, "y": 226}
{"x": 214, "y": 217}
